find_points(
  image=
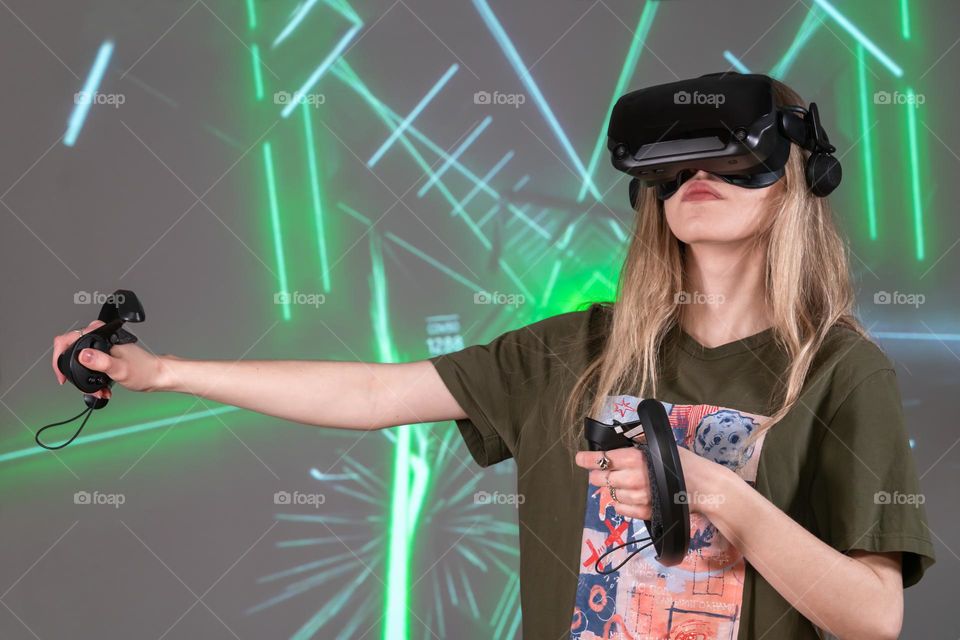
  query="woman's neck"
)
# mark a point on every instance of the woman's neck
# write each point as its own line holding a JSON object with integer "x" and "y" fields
{"x": 726, "y": 297}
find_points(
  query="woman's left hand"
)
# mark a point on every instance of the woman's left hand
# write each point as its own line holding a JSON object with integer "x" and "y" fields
{"x": 627, "y": 476}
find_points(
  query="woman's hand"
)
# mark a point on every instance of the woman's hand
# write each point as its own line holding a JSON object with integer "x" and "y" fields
{"x": 128, "y": 364}
{"x": 628, "y": 476}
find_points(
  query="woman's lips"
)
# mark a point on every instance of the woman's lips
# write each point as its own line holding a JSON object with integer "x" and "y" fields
{"x": 699, "y": 190}
{"x": 699, "y": 195}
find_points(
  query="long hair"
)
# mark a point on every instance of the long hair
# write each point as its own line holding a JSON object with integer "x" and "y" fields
{"x": 807, "y": 291}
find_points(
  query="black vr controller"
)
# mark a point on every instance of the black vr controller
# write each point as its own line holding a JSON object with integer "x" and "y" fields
{"x": 121, "y": 307}
{"x": 669, "y": 526}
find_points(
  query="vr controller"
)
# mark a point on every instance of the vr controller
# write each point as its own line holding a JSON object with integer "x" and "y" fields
{"x": 669, "y": 526}
{"x": 121, "y": 307}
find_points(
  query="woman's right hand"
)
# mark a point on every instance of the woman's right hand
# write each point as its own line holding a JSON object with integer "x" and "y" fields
{"x": 129, "y": 365}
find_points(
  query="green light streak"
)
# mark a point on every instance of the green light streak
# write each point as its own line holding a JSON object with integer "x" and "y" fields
{"x": 807, "y": 28}
{"x": 320, "y": 70}
{"x": 523, "y": 72}
{"x": 626, "y": 72}
{"x": 911, "y": 108}
{"x": 315, "y": 195}
{"x": 905, "y": 19}
{"x": 735, "y": 62}
{"x": 456, "y": 154}
{"x": 123, "y": 431}
{"x": 513, "y": 276}
{"x": 402, "y": 526}
{"x": 342, "y": 71}
{"x": 867, "y": 138}
{"x": 275, "y": 227}
{"x": 433, "y": 261}
{"x": 417, "y": 110}
{"x": 294, "y": 22}
{"x": 251, "y": 15}
{"x": 257, "y": 71}
{"x": 551, "y": 281}
{"x": 860, "y": 37}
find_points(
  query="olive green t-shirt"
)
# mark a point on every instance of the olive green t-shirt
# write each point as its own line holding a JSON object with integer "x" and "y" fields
{"x": 839, "y": 464}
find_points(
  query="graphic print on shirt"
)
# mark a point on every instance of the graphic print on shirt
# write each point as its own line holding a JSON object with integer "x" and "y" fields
{"x": 699, "y": 598}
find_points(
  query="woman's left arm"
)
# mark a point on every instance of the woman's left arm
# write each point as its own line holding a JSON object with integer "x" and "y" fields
{"x": 855, "y": 595}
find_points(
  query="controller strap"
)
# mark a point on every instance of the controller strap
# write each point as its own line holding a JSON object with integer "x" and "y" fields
{"x": 86, "y": 415}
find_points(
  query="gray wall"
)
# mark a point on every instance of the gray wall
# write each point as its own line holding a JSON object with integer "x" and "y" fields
{"x": 199, "y": 519}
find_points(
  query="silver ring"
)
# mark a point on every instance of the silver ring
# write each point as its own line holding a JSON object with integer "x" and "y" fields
{"x": 604, "y": 462}
{"x": 613, "y": 493}
{"x": 80, "y": 331}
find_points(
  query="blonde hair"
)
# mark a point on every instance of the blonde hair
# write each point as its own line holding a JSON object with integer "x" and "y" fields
{"x": 807, "y": 292}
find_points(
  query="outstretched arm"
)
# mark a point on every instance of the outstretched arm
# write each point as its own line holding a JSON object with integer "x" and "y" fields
{"x": 348, "y": 395}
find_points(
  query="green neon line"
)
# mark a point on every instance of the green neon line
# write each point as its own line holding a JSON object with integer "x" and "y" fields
{"x": 911, "y": 108}
{"x": 257, "y": 71}
{"x": 513, "y": 276}
{"x": 433, "y": 261}
{"x": 807, "y": 28}
{"x": 355, "y": 214}
{"x": 385, "y": 114}
{"x": 626, "y": 72}
{"x": 867, "y": 137}
{"x": 251, "y": 15}
{"x": 550, "y": 282}
{"x": 905, "y": 18}
{"x": 315, "y": 196}
{"x": 275, "y": 226}
{"x": 122, "y": 431}
{"x": 861, "y": 37}
{"x": 400, "y": 533}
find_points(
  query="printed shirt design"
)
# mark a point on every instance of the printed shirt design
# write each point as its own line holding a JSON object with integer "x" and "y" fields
{"x": 698, "y": 599}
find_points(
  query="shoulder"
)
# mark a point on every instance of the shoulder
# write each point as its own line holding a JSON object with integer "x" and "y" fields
{"x": 848, "y": 361}
{"x": 570, "y": 327}
{"x": 852, "y": 354}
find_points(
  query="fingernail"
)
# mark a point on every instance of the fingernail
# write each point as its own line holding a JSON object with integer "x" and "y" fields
{"x": 86, "y": 356}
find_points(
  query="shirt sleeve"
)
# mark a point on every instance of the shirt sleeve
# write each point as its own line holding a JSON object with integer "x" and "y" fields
{"x": 865, "y": 491}
{"x": 499, "y": 384}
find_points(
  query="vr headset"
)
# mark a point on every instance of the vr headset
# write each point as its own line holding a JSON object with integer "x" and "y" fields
{"x": 727, "y": 124}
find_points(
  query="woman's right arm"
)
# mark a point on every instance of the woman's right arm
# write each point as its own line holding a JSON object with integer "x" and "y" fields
{"x": 347, "y": 395}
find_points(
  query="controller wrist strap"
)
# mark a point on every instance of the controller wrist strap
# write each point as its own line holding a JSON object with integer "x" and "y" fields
{"x": 86, "y": 415}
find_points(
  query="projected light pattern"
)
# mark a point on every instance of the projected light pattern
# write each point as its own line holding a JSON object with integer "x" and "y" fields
{"x": 550, "y": 252}
{"x": 88, "y": 95}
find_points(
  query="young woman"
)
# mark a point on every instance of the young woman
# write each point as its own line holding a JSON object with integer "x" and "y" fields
{"x": 735, "y": 310}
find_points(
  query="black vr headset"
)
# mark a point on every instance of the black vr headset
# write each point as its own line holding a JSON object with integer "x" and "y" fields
{"x": 727, "y": 124}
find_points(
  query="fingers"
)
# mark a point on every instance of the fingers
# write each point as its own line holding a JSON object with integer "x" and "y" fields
{"x": 633, "y": 511}
{"x": 625, "y": 457}
{"x": 103, "y": 393}
{"x": 635, "y": 478}
{"x": 62, "y": 342}
{"x": 99, "y": 361}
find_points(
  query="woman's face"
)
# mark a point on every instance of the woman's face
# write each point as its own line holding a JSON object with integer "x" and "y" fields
{"x": 706, "y": 209}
